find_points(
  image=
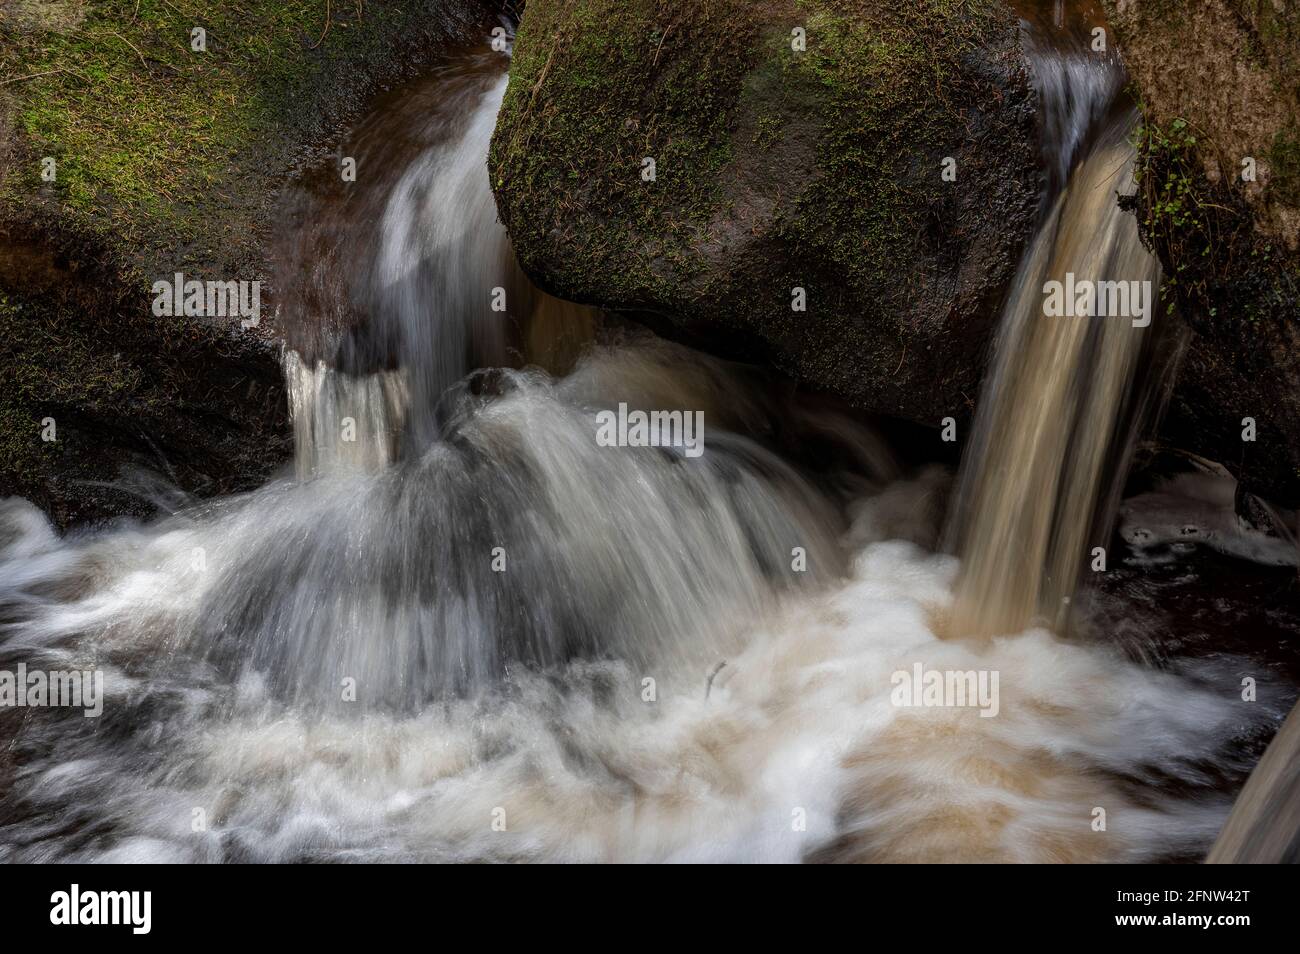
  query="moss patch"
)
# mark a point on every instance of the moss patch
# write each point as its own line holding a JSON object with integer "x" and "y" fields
{"x": 170, "y": 155}
{"x": 778, "y": 166}
{"x": 891, "y": 78}
{"x": 1219, "y": 271}
{"x": 46, "y": 369}
{"x": 1284, "y": 163}
{"x": 200, "y": 407}
{"x": 598, "y": 87}
{"x": 166, "y": 158}
{"x": 1238, "y": 290}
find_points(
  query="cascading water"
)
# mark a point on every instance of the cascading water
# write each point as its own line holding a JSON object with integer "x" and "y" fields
{"x": 417, "y": 267}
{"x": 1061, "y": 405}
{"x": 476, "y": 634}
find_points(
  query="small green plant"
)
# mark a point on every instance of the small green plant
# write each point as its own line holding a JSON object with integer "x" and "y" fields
{"x": 1180, "y": 220}
{"x": 1217, "y": 268}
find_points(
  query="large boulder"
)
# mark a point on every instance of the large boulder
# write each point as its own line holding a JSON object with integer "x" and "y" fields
{"x": 777, "y": 168}
{"x": 795, "y": 145}
{"x": 165, "y": 158}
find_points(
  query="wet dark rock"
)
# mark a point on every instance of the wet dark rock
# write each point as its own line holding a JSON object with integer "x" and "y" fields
{"x": 778, "y": 169}
{"x": 1219, "y": 84}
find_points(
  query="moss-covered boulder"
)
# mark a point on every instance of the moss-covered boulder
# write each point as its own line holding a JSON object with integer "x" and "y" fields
{"x": 795, "y": 146}
{"x": 133, "y": 146}
{"x": 1219, "y": 203}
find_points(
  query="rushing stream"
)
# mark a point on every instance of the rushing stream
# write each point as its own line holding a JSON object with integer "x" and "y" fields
{"x": 463, "y": 629}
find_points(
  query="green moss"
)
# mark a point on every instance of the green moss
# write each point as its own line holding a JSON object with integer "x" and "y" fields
{"x": 167, "y": 159}
{"x": 48, "y": 369}
{"x": 163, "y": 151}
{"x": 598, "y": 88}
{"x": 885, "y": 71}
{"x": 769, "y": 129}
{"x": 599, "y": 85}
{"x": 1284, "y": 163}
{"x": 181, "y": 398}
{"x": 1176, "y": 204}
{"x": 1217, "y": 268}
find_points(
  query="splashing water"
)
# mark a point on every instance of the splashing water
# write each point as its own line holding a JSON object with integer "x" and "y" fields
{"x": 489, "y": 638}
{"x": 404, "y": 281}
{"x": 1057, "y": 413}
{"x": 793, "y": 749}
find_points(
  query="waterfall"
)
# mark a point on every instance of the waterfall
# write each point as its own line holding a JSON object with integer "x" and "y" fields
{"x": 419, "y": 261}
{"x": 465, "y": 630}
{"x": 1059, "y": 407}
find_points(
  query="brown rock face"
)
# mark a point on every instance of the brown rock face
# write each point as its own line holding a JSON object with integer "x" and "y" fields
{"x": 1231, "y": 69}
{"x": 1219, "y": 202}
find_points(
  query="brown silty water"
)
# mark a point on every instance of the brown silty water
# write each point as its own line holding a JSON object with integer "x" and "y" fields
{"x": 1064, "y": 396}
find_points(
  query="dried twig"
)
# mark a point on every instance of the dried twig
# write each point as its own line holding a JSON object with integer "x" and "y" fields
{"x": 327, "y": 27}
{"x": 661, "y": 44}
{"x": 143, "y": 61}
{"x": 19, "y": 79}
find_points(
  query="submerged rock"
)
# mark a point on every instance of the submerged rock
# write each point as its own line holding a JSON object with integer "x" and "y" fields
{"x": 768, "y": 180}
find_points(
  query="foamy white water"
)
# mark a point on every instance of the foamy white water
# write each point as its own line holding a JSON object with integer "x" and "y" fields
{"x": 519, "y": 697}
{"x": 474, "y": 633}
